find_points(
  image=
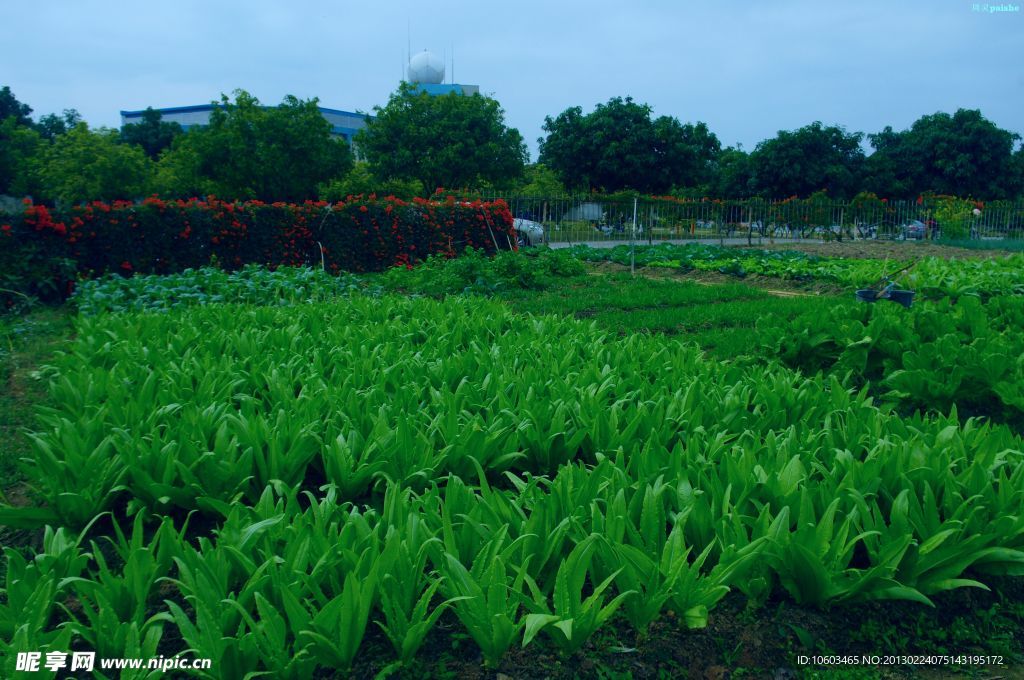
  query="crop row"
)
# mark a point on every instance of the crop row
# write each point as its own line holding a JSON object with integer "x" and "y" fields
{"x": 938, "y": 355}
{"x": 390, "y": 459}
{"x": 934, "y": 356}
{"x": 931, "y": 277}
{"x": 208, "y": 285}
{"x": 472, "y": 272}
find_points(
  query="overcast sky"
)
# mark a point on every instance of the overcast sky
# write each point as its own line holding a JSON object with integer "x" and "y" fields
{"x": 747, "y": 68}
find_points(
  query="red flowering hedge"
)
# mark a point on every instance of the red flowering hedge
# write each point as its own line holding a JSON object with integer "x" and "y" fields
{"x": 42, "y": 252}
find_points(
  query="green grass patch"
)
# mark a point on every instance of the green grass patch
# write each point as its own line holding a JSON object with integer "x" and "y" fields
{"x": 25, "y": 343}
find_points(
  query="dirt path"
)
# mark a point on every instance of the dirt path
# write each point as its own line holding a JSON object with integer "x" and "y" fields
{"x": 768, "y": 284}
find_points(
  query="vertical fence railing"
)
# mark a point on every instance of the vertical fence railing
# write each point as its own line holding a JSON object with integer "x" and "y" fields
{"x": 587, "y": 218}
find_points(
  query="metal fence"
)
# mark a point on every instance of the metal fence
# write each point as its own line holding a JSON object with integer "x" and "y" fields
{"x": 582, "y": 219}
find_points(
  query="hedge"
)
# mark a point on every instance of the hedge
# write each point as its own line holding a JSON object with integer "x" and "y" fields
{"x": 43, "y": 252}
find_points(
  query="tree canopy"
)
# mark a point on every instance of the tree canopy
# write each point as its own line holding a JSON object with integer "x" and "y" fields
{"x": 86, "y": 165}
{"x": 813, "y": 158}
{"x": 417, "y": 143}
{"x": 11, "y": 107}
{"x": 51, "y": 125}
{"x": 963, "y": 155}
{"x": 248, "y": 151}
{"x": 450, "y": 141}
{"x": 19, "y": 144}
{"x": 731, "y": 176}
{"x": 153, "y": 134}
{"x": 619, "y": 146}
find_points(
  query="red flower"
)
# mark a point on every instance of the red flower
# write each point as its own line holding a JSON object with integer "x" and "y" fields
{"x": 6, "y": 228}
{"x": 126, "y": 265}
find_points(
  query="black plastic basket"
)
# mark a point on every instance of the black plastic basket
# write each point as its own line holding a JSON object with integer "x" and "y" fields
{"x": 901, "y": 297}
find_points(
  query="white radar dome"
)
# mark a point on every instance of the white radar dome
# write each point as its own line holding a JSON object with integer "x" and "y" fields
{"x": 427, "y": 68}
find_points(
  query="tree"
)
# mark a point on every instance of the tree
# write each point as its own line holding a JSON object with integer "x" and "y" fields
{"x": 10, "y": 106}
{"x": 452, "y": 140}
{"x": 248, "y": 151}
{"x": 962, "y": 155}
{"x": 361, "y": 181}
{"x": 685, "y": 153}
{"x": 86, "y": 165}
{"x": 51, "y": 125}
{"x": 618, "y": 146}
{"x": 179, "y": 170}
{"x": 807, "y": 160}
{"x": 732, "y": 175}
{"x": 152, "y": 134}
{"x": 1018, "y": 170}
{"x": 540, "y": 181}
{"x": 19, "y": 144}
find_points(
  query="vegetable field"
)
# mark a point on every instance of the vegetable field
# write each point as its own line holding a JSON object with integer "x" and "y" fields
{"x": 932, "y": 277}
{"x": 302, "y": 478}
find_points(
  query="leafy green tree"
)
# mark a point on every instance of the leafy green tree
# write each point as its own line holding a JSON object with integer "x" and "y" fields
{"x": 1018, "y": 170}
{"x": 619, "y": 146}
{"x": 685, "y": 154}
{"x": 153, "y": 134}
{"x": 963, "y": 155}
{"x": 807, "y": 160}
{"x": 361, "y": 181}
{"x": 541, "y": 181}
{"x": 454, "y": 140}
{"x": 732, "y": 175}
{"x": 249, "y": 151}
{"x": 566, "y": 141}
{"x": 51, "y": 125}
{"x": 19, "y": 144}
{"x": 85, "y": 165}
{"x": 179, "y": 169}
{"x": 11, "y": 107}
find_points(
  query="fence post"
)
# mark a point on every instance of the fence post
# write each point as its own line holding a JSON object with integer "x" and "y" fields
{"x": 632, "y": 244}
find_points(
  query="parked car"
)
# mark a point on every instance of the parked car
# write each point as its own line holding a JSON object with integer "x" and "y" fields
{"x": 528, "y": 232}
{"x": 916, "y": 229}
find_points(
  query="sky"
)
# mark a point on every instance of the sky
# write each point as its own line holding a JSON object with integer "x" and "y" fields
{"x": 747, "y": 68}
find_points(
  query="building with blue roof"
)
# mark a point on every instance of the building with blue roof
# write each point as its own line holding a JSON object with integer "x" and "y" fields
{"x": 426, "y": 74}
{"x": 344, "y": 124}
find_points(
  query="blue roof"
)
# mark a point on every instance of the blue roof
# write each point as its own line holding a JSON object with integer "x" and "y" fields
{"x": 210, "y": 107}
